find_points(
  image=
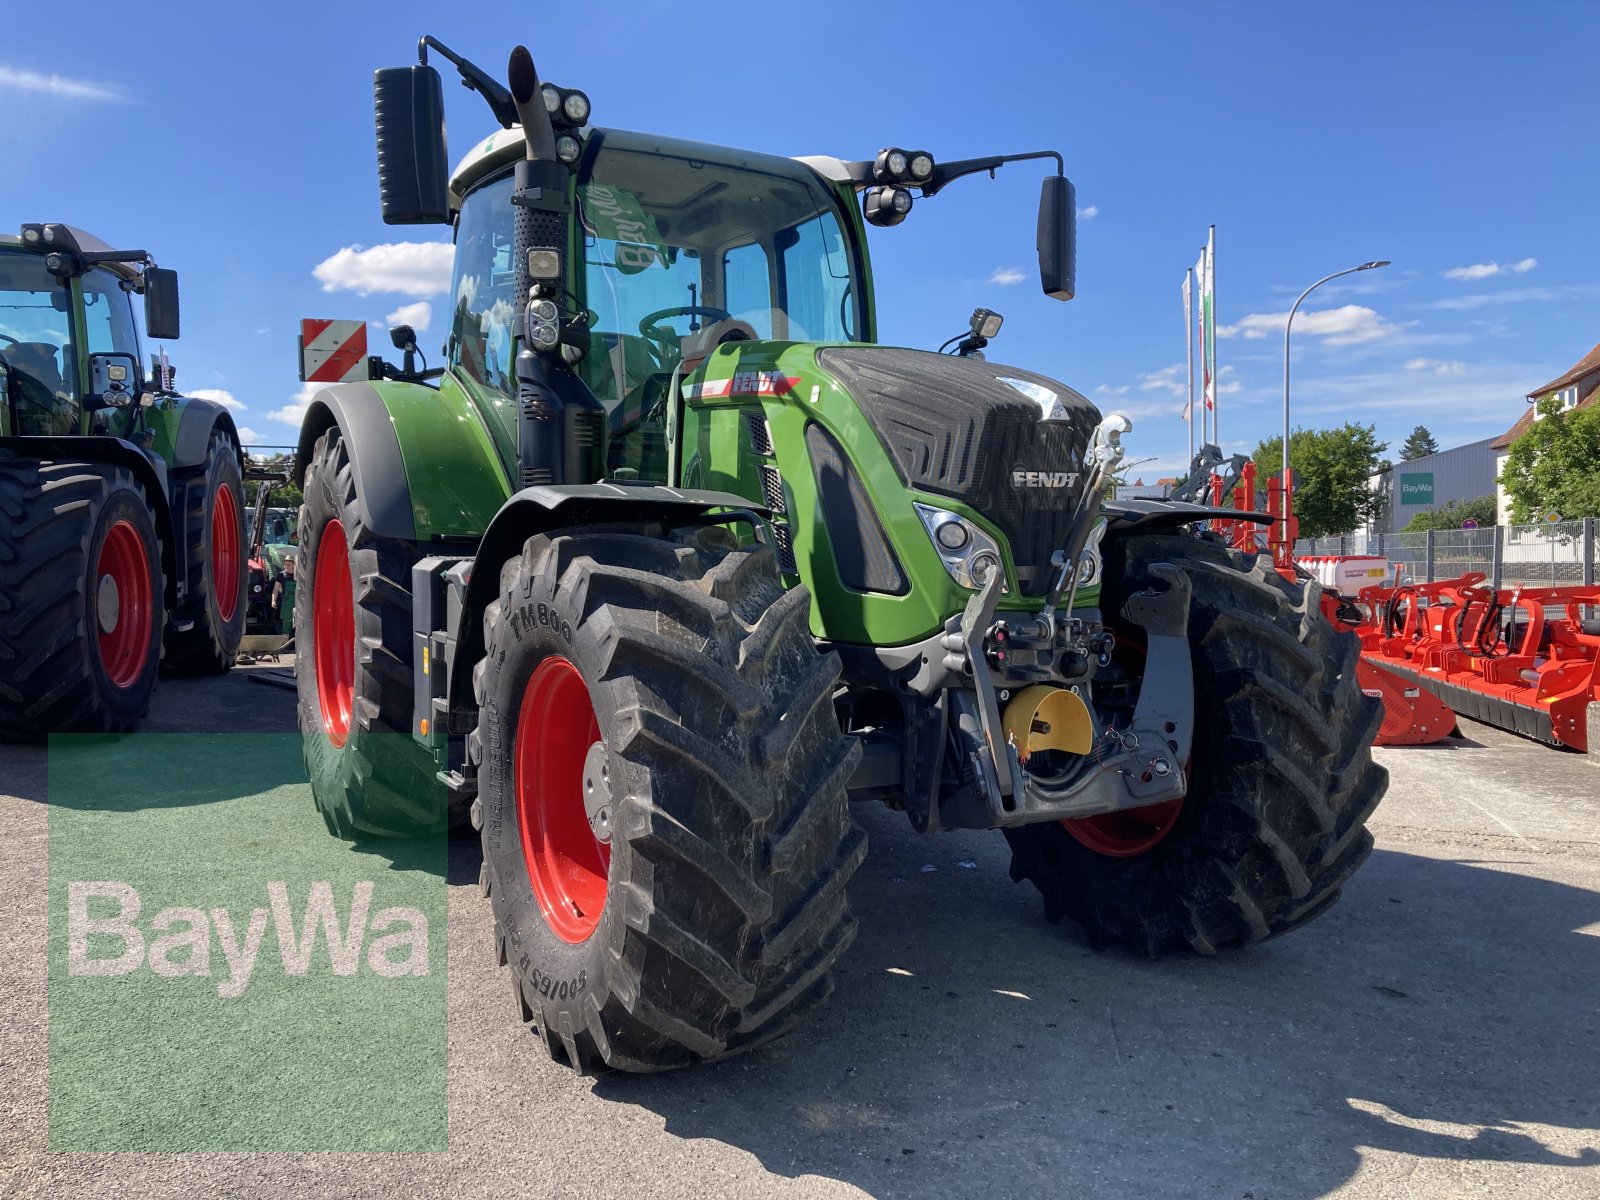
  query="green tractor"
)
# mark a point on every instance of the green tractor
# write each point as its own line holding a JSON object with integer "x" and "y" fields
{"x": 668, "y": 561}
{"x": 121, "y": 505}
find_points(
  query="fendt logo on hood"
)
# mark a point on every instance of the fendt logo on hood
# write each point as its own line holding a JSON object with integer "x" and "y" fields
{"x": 1043, "y": 479}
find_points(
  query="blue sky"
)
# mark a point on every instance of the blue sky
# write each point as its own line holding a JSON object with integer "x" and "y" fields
{"x": 1457, "y": 139}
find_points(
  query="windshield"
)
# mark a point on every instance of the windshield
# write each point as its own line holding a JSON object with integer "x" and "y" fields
{"x": 36, "y": 352}
{"x": 682, "y": 253}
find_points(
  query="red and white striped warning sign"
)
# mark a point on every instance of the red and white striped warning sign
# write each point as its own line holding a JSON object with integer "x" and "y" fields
{"x": 332, "y": 351}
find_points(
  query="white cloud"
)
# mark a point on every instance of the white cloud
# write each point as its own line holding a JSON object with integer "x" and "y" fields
{"x": 410, "y": 268}
{"x": 1514, "y": 296}
{"x": 1088, "y": 212}
{"x": 1344, "y": 326}
{"x": 1174, "y": 380}
{"x": 55, "y": 85}
{"x": 415, "y": 315}
{"x": 1105, "y": 389}
{"x": 1006, "y": 276}
{"x": 294, "y": 412}
{"x": 248, "y": 436}
{"x": 1227, "y": 383}
{"x": 221, "y": 396}
{"x": 1490, "y": 269}
{"x": 1436, "y": 366}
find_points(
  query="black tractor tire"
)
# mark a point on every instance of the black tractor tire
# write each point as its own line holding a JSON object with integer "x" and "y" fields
{"x": 63, "y": 526}
{"x": 368, "y": 775}
{"x": 213, "y": 505}
{"x": 731, "y": 843}
{"x": 1281, "y": 778}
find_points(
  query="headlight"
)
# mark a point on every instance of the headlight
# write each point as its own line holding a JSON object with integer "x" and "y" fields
{"x": 552, "y": 98}
{"x": 544, "y": 327}
{"x": 886, "y": 205}
{"x": 896, "y": 162}
{"x": 568, "y": 148}
{"x": 969, "y": 554}
{"x": 575, "y": 107}
{"x": 922, "y": 167}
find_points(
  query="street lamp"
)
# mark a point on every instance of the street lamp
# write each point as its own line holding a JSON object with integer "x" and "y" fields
{"x": 1288, "y": 325}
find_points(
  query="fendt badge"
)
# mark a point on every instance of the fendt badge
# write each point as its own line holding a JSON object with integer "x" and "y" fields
{"x": 1044, "y": 479}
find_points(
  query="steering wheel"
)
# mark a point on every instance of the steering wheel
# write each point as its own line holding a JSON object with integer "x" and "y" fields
{"x": 653, "y": 331}
{"x": 12, "y": 340}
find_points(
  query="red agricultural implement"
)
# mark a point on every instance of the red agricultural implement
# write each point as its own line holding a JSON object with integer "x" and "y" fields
{"x": 1412, "y": 715}
{"x": 1524, "y": 658}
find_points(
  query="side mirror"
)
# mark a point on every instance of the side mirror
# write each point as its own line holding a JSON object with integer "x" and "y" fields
{"x": 413, "y": 179}
{"x": 160, "y": 304}
{"x": 1058, "y": 216}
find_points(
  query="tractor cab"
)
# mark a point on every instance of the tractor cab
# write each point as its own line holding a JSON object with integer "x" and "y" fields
{"x": 69, "y": 343}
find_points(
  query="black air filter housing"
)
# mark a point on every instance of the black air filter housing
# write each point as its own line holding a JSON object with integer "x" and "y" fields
{"x": 956, "y": 427}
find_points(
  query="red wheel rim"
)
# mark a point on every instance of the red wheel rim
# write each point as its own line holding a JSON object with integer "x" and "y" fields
{"x": 1124, "y": 834}
{"x": 1134, "y": 830}
{"x": 333, "y": 632}
{"x": 123, "y": 604}
{"x": 225, "y": 551}
{"x": 567, "y": 864}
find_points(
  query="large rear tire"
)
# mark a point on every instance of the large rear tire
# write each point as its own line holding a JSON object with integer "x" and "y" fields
{"x": 1281, "y": 778}
{"x": 213, "y": 539}
{"x": 353, "y": 653}
{"x": 675, "y": 675}
{"x": 82, "y": 598}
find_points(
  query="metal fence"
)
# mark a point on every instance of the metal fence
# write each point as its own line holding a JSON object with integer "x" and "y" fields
{"x": 1561, "y": 552}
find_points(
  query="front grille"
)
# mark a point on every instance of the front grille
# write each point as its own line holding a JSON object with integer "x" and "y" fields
{"x": 955, "y": 427}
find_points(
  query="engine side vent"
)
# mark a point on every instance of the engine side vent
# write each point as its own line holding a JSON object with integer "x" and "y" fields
{"x": 862, "y": 553}
{"x": 760, "y": 433}
{"x": 772, "y": 489}
{"x": 785, "y": 549}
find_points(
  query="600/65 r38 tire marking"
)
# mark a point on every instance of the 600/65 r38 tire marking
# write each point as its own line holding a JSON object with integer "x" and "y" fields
{"x": 722, "y": 907}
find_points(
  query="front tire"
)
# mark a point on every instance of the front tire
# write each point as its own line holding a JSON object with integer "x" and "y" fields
{"x": 82, "y": 598}
{"x": 694, "y": 907}
{"x": 352, "y": 625}
{"x": 1281, "y": 778}
{"x": 213, "y": 523}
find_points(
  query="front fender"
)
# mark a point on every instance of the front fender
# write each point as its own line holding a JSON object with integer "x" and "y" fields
{"x": 537, "y": 510}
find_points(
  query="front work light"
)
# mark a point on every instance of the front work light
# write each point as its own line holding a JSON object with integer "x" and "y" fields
{"x": 544, "y": 262}
{"x": 886, "y": 205}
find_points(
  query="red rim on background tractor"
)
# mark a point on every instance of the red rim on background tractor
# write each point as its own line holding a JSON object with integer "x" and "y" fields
{"x": 567, "y": 864}
{"x": 225, "y": 551}
{"x": 123, "y": 600}
{"x": 333, "y": 632}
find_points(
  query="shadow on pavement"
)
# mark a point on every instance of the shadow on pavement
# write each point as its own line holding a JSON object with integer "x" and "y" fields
{"x": 1440, "y": 1010}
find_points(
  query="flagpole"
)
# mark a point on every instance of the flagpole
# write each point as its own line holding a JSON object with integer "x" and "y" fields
{"x": 1188, "y": 338}
{"x": 1211, "y": 272}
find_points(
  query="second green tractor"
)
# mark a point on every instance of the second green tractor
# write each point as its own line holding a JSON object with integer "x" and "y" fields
{"x": 669, "y": 560}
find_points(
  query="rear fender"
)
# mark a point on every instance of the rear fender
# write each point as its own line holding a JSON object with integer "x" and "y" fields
{"x": 425, "y": 467}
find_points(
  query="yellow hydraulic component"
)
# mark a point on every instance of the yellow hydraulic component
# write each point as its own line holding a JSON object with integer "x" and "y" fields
{"x": 1042, "y": 717}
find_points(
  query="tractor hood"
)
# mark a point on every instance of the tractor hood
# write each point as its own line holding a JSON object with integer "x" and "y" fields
{"x": 1007, "y": 442}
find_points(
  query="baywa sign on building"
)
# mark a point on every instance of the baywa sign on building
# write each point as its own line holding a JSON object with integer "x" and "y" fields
{"x": 1416, "y": 488}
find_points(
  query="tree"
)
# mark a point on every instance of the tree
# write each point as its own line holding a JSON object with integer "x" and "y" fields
{"x": 284, "y": 495}
{"x": 1333, "y": 468}
{"x": 1419, "y": 444}
{"x": 1555, "y": 465}
{"x": 1483, "y": 510}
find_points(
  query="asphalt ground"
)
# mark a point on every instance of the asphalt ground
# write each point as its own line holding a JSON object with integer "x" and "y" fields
{"x": 1435, "y": 1034}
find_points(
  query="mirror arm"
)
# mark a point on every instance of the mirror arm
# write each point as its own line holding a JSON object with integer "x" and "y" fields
{"x": 474, "y": 77}
{"x": 944, "y": 173}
